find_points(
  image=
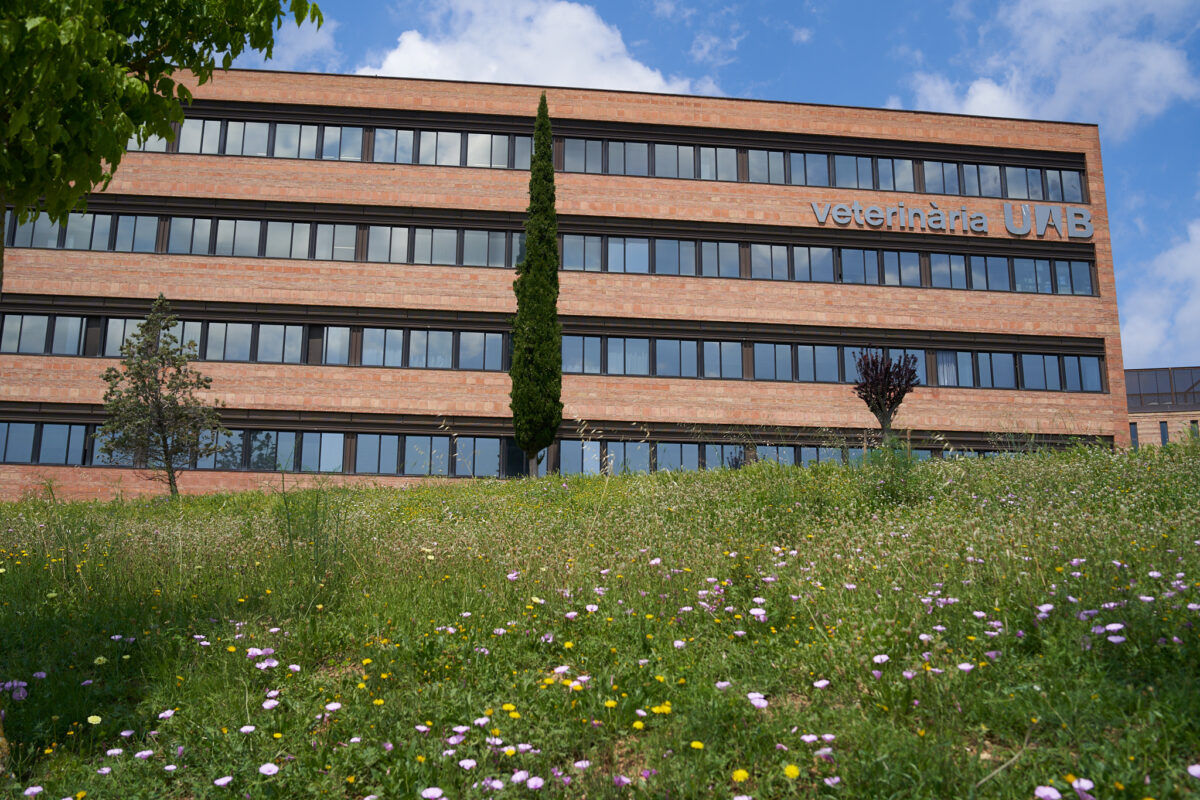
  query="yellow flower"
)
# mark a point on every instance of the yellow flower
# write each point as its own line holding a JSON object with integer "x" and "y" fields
{"x": 568, "y": 645}
{"x": 349, "y": 779}
{"x": 515, "y": 714}
{"x": 610, "y": 703}
{"x": 231, "y": 649}
{"x": 420, "y": 759}
{"x": 740, "y": 775}
{"x": 638, "y": 725}
{"x": 696, "y": 745}
{"x": 508, "y": 707}
{"x": 378, "y": 701}
{"x": 792, "y": 771}
{"x": 95, "y": 720}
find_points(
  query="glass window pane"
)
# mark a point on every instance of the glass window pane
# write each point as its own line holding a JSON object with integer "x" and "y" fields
{"x": 53, "y": 448}
{"x": 522, "y": 148}
{"x": 637, "y": 356}
{"x": 903, "y": 170}
{"x": 68, "y": 335}
{"x": 33, "y": 333}
{"x": 441, "y": 350}
{"x": 479, "y": 149}
{"x": 445, "y": 245}
{"x": 337, "y": 345}
{"x": 1090, "y": 367}
{"x": 385, "y": 146}
{"x": 997, "y": 280}
{"x": 845, "y": 171}
{"x": 666, "y": 161}
{"x": 233, "y": 138}
{"x": 572, "y": 354}
{"x": 637, "y": 255}
{"x": 816, "y": 169}
{"x": 616, "y": 355}
{"x": 933, "y": 178}
{"x": 1033, "y": 370}
{"x": 237, "y": 341}
{"x": 756, "y": 163}
{"x": 285, "y": 451}
{"x": 270, "y": 343}
{"x": 989, "y": 180}
{"x": 591, "y": 355}
{"x": 825, "y": 358}
{"x": 287, "y": 140}
{"x": 201, "y": 236}
{"x": 331, "y": 452}
{"x": 1025, "y": 275}
{"x": 1052, "y": 379}
{"x": 1062, "y": 272}
{"x": 255, "y": 141}
{"x": 731, "y": 359}
{"x": 19, "y": 447}
{"x": 1072, "y": 186}
{"x": 449, "y": 149}
{"x": 1004, "y": 371}
{"x": 279, "y": 239}
{"x": 499, "y": 150}
{"x": 666, "y": 357}
{"x": 970, "y": 180}
{"x": 1081, "y": 277}
{"x": 366, "y": 456}
{"x": 145, "y": 233}
{"x": 884, "y": 166}
{"x": 417, "y": 343}
{"x": 351, "y": 149}
{"x": 475, "y": 248}
{"x": 245, "y": 237}
{"x": 344, "y": 242}
{"x": 190, "y": 134}
{"x": 379, "y": 239}
{"x": 470, "y": 350}
{"x": 331, "y": 143}
{"x": 1018, "y": 186}
{"x": 637, "y": 158}
{"x": 1045, "y": 284}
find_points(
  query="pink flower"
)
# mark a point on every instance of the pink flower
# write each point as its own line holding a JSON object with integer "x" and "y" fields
{"x": 433, "y": 792}
{"x": 170, "y": 712}
{"x": 621, "y": 780}
{"x": 333, "y": 706}
{"x": 269, "y": 768}
{"x": 821, "y": 684}
{"x": 881, "y": 659}
{"x": 223, "y": 782}
{"x": 1047, "y": 793}
{"x": 834, "y": 781}
{"x": 535, "y": 782}
{"x": 966, "y": 667}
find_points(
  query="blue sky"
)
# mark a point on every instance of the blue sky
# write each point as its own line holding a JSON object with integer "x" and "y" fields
{"x": 1134, "y": 71}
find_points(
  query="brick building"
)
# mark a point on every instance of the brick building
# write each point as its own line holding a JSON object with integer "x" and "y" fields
{"x": 340, "y": 249}
{"x": 1164, "y": 404}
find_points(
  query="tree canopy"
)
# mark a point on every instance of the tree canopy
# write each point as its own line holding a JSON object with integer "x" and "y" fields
{"x": 80, "y": 77}
{"x": 883, "y": 383}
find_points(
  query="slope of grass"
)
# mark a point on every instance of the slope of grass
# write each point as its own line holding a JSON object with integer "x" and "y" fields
{"x": 947, "y": 629}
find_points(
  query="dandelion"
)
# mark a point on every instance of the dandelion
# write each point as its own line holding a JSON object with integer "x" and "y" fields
{"x": 740, "y": 775}
{"x": 269, "y": 768}
{"x": 223, "y": 781}
{"x": 697, "y": 745}
{"x": 791, "y": 771}
{"x": 93, "y": 720}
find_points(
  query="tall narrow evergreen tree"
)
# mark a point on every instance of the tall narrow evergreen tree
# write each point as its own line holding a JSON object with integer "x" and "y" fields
{"x": 536, "y": 370}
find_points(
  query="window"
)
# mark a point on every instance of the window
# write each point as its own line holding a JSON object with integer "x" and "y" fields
{"x": 229, "y": 454}
{"x": 24, "y": 333}
{"x": 1081, "y": 277}
{"x": 941, "y": 177}
{"x": 287, "y": 239}
{"x": 117, "y": 331}
{"x": 813, "y": 263}
{"x": 579, "y": 458}
{"x": 581, "y": 253}
{"x": 1040, "y": 372}
{"x": 383, "y": 347}
{"x": 477, "y": 456}
{"x": 955, "y": 368}
{"x": 581, "y": 354}
{"x": 896, "y": 354}
{"x": 624, "y": 457}
{"x": 628, "y": 255}
{"x": 16, "y": 442}
{"x": 230, "y": 341}
{"x": 68, "y": 336}
{"x": 728, "y": 456}
{"x": 387, "y": 244}
{"x": 852, "y": 172}
{"x": 480, "y": 350}
{"x": 200, "y": 136}
{"x": 280, "y": 344}
{"x": 1133, "y": 435}
{"x": 769, "y": 261}
{"x": 895, "y": 174}
{"x": 426, "y": 455}
{"x": 948, "y": 271}
{"x": 335, "y": 242}
{"x": 628, "y": 158}
{"x": 817, "y": 363}
{"x": 1162, "y": 432}
{"x": 720, "y": 259}
{"x": 62, "y": 444}
{"x": 674, "y": 257}
{"x": 628, "y": 356}
{"x": 859, "y": 266}
{"x": 809, "y": 169}
{"x": 484, "y": 249}
{"x": 487, "y": 150}
{"x": 583, "y": 155}
{"x": 723, "y": 359}
{"x": 772, "y": 362}
{"x": 990, "y": 273}
{"x": 780, "y": 454}
{"x": 393, "y": 146}
{"x": 1064, "y": 185}
{"x": 718, "y": 164}
{"x": 674, "y": 161}
{"x": 442, "y": 148}
{"x": 322, "y": 452}
{"x": 997, "y": 370}
{"x": 377, "y": 454}
{"x": 901, "y": 269}
{"x": 671, "y": 456}
{"x": 765, "y": 166}
{"x": 435, "y": 246}
{"x": 335, "y": 349}
{"x": 675, "y": 358}
{"x": 430, "y": 349}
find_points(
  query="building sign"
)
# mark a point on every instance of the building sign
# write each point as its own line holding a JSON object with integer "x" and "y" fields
{"x": 1019, "y": 220}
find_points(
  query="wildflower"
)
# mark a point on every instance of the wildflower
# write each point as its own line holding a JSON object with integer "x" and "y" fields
{"x": 93, "y": 719}
{"x": 104, "y": 770}
{"x": 246, "y": 729}
{"x": 966, "y": 667}
{"x": 467, "y": 763}
{"x": 126, "y": 734}
{"x": 697, "y": 745}
{"x": 680, "y": 644}
{"x": 821, "y": 684}
{"x": 33, "y": 791}
{"x": 757, "y": 700}
{"x": 833, "y": 781}
{"x": 223, "y": 781}
{"x": 791, "y": 771}
{"x": 269, "y": 704}
{"x": 582, "y": 764}
{"x": 621, "y": 780}
{"x": 740, "y": 775}
{"x": 269, "y": 768}
{"x": 535, "y": 782}
{"x": 333, "y": 706}
{"x": 116, "y": 751}
{"x": 294, "y": 667}
{"x": 1194, "y": 770}
{"x": 520, "y": 776}
{"x": 433, "y": 792}
{"x": 170, "y": 712}
{"x": 881, "y": 659}
{"x": 723, "y": 685}
{"x": 1047, "y": 793}
{"x": 170, "y": 768}
{"x": 143, "y": 754}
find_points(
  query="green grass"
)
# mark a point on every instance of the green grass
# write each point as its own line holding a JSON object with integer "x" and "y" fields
{"x": 132, "y": 609}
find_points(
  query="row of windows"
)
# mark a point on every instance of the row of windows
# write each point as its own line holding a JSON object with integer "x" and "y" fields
{"x": 345, "y": 143}
{"x": 410, "y": 454}
{"x": 616, "y": 157}
{"x": 825, "y": 264}
{"x": 1166, "y": 386}
{"x": 482, "y": 248}
{"x": 595, "y": 355}
{"x": 684, "y": 358}
{"x": 611, "y": 157}
{"x": 274, "y": 239}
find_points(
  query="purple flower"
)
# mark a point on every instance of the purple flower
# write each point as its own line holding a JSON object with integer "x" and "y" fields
{"x": 116, "y": 751}
{"x": 876, "y": 674}
{"x": 104, "y": 770}
{"x": 33, "y": 791}
{"x": 269, "y": 704}
{"x": 170, "y": 712}
{"x": 881, "y": 659}
{"x": 467, "y": 763}
{"x": 723, "y": 685}
{"x": 621, "y": 780}
{"x": 821, "y": 684}
{"x": 433, "y": 792}
{"x": 535, "y": 782}
{"x": 269, "y": 768}
{"x": 966, "y": 666}
{"x": 583, "y": 764}
{"x": 333, "y": 706}
{"x": 223, "y": 782}
{"x": 1047, "y": 793}
{"x": 520, "y": 776}
{"x": 1194, "y": 770}
{"x": 294, "y": 667}
{"x": 834, "y": 781}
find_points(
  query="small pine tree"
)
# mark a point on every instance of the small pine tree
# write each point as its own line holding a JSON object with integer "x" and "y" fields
{"x": 536, "y": 369}
{"x": 153, "y": 416}
{"x": 883, "y": 383}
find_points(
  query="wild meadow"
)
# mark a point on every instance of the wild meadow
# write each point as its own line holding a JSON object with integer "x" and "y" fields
{"x": 995, "y": 628}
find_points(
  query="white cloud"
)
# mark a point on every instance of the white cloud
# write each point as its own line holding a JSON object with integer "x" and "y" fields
{"x": 669, "y": 9}
{"x": 713, "y": 50}
{"x": 801, "y": 35}
{"x": 894, "y": 102}
{"x": 1160, "y": 319}
{"x": 302, "y": 48}
{"x": 548, "y": 42}
{"x": 1116, "y": 62}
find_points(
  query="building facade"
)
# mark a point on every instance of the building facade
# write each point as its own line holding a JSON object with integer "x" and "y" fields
{"x": 1164, "y": 404}
{"x": 340, "y": 249}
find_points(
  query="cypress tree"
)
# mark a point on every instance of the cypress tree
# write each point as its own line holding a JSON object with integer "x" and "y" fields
{"x": 536, "y": 369}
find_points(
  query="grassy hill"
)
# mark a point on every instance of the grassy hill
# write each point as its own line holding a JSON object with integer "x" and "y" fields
{"x": 966, "y": 628}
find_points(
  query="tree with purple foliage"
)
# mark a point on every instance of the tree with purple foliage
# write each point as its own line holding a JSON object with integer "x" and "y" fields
{"x": 883, "y": 383}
